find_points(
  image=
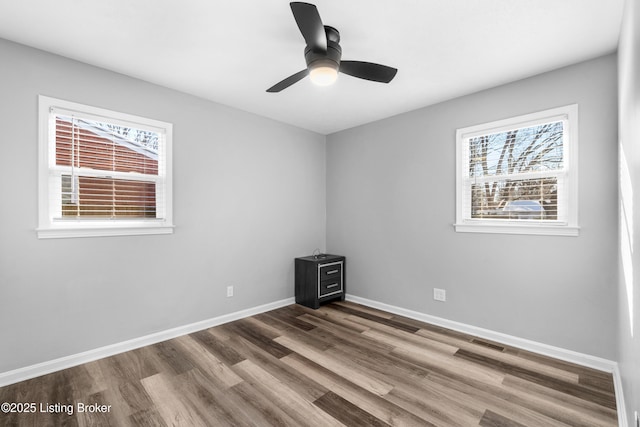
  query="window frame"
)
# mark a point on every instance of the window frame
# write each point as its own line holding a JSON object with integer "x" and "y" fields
{"x": 565, "y": 227}
{"x": 51, "y": 227}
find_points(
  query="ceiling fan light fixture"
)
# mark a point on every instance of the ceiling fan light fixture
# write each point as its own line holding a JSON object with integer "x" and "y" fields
{"x": 323, "y": 73}
{"x": 323, "y": 54}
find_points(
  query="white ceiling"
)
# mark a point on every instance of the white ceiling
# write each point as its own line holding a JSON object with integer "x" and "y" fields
{"x": 230, "y": 52}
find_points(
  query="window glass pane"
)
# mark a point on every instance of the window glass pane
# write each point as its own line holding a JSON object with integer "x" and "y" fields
{"x": 104, "y": 146}
{"x": 515, "y": 199}
{"x": 111, "y": 198}
{"x": 529, "y": 149}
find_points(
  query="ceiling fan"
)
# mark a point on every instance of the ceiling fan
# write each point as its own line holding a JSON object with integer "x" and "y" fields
{"x": 323, "y": 54}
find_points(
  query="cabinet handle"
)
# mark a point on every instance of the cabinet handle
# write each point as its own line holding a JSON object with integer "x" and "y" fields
{"x": 332, "y": 286}
{"x": 332, "y": 271}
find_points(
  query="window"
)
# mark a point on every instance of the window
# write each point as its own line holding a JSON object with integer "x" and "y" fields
{"x": 519, "y": 175}
{"x": 102, "y": 173}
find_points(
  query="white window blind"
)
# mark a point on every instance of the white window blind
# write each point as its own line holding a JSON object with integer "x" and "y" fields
{"x": 106, "y": 172}
{"x": 519, "y": 175}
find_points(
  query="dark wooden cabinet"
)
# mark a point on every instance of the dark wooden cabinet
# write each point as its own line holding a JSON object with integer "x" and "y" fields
{"x": 320, "y": 278}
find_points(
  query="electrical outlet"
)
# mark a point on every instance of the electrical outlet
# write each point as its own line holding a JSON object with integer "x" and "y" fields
{"x": 439, "y": 294}
{"x": 229, "y": 291}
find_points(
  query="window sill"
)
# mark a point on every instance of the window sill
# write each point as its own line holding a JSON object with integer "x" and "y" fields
{"x": 511, "y": 228}
{"x": 101, "y": 230}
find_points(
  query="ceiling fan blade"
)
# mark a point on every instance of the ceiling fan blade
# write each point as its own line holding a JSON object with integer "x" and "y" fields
{"x": 288, "y": 81}
{"x": 368, "y": 71}
{"x": 310, "y": 24}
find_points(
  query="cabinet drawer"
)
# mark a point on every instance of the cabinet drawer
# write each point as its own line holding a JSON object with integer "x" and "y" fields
{"x": 330, "y": 287}
{"x": 330, "y": 271}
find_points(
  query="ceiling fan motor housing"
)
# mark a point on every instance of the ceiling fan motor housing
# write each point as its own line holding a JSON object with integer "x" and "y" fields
{"x": 329, "y": 58}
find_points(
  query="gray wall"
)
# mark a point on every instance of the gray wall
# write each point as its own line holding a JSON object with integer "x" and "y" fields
{"x": 391, "y": 206}
{"x": 249, "y": 196}
{"x": 629, "y": 133}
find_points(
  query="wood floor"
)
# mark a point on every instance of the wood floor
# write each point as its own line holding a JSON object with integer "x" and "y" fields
{"x": 343, "y": 364}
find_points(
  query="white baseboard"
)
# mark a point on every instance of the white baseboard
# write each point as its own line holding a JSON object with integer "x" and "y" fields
{"x": 28, "y": 372}
{"x": 524, "y": 344}
{"x": 622, "y": 410}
